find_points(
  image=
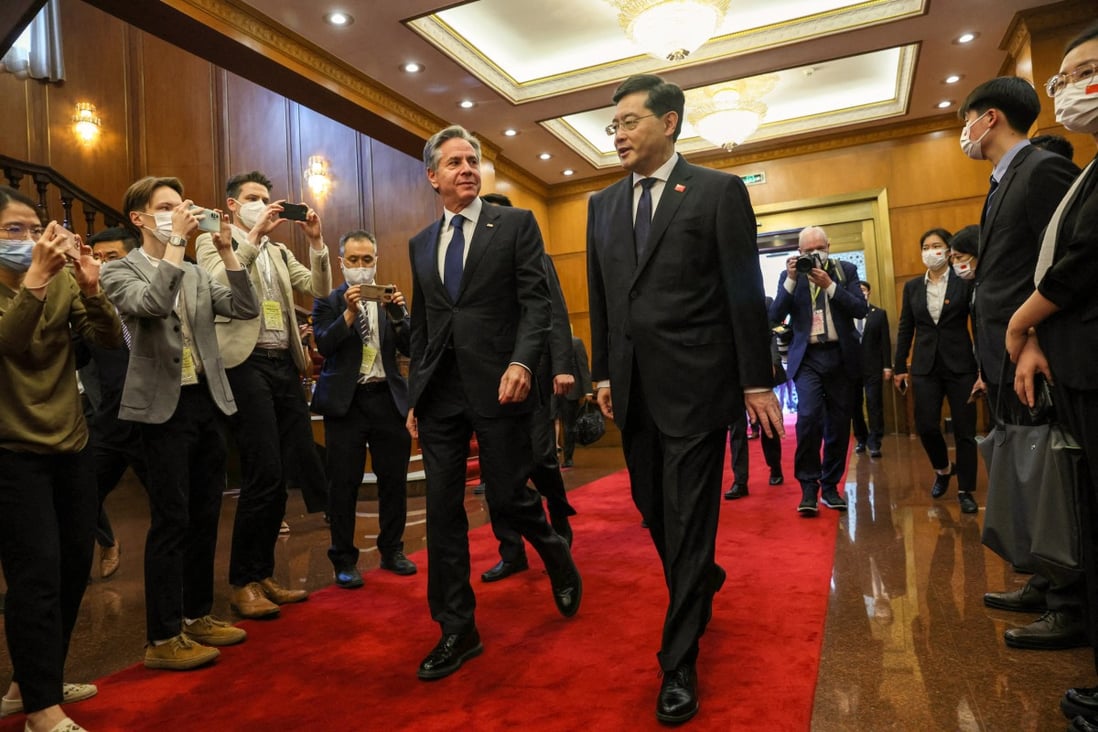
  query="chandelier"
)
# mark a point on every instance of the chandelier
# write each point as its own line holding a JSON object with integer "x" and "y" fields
{"x": 670, "y": 30}
{"x": 728, "y": 113}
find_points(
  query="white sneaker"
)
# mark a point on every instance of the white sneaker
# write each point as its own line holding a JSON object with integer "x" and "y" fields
{"x": 69, "y": 693}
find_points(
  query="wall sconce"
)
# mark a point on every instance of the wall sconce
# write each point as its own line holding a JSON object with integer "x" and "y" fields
{"x": 86, "y": 123}
{"x": 316, "y": 176}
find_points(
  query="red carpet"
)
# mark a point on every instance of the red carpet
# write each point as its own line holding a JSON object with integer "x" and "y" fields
{"x": 347, "y": 659}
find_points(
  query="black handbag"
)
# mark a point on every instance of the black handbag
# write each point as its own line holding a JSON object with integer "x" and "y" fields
{"x": 590, "y": 425}
{"x": 1032, "y": 516}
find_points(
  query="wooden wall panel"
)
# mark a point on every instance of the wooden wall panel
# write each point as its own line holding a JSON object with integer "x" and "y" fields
{"x": 340, "y": 207}
{"x": 255, "y": 128}
{"x": 909, "y": 224}
{"x": 19, "y": 98}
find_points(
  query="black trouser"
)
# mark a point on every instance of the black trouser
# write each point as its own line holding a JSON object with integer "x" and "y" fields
{"x": 271, "y": 425}
{"x": 870, "y": 389}
{"x": 188, "y": 452}
{"x": 823, "y": 416}
{"x": 115, "y": 448}
{"x": 47, "y": 519}
{"x": 569, "y": 411}
{"x": 929, "y": 391}
{"x": 676, "y": 486}
{"x": 373, "y": 419}
{"x": 446, "y": 424}
{"x": 737, "y": 445}
{"x": 546, "y": 478}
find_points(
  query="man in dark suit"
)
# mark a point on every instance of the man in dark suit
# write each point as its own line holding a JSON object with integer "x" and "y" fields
{"x": 1027, "y": 184}
{"x": 876, "y": 368}
{"x": 568, "y": 405}
{"x": 480, "y": 317}
{"x": 824, "y": 361}
{"x": 364, "y": 400}
{"x": 679, "y": 333}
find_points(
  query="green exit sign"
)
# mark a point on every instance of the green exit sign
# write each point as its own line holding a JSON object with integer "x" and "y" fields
{"x": 753, "y": 179}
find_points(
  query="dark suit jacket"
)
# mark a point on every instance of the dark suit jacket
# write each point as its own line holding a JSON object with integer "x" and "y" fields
{"x": 1010, "y": 237}
{"x": 557, "y": 357}
{"x": 1069, "y": 338}
{"x": 341, "y": 346}
{"x": 502, "y": 311}
{"x": 848, "y": 303}
{"x": 581, "y": 370}
{"x": 948, "y": 339}
{"x": 876, "y": 343}
{"x": 690, "y": 314}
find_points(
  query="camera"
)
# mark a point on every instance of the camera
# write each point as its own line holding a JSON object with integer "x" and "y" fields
{"x": 208, "y": 219}
{"x": 807, "y": 262}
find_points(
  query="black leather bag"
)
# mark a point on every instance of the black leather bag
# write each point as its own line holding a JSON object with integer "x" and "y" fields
{"x": 590, "y": 425}
{"x": 1032, "y": 517}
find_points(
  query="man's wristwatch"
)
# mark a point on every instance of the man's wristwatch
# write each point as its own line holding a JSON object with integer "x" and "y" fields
{"x": 177, "y": 241}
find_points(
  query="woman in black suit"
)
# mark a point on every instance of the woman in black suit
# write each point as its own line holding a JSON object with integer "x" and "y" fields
{"x": 935, "y": 315}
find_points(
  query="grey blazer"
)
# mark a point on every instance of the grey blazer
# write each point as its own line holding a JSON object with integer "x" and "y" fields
{"x": 145, "y": 297}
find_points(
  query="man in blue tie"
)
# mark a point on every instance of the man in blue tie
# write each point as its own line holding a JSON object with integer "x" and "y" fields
{"x": 480, "y": 319}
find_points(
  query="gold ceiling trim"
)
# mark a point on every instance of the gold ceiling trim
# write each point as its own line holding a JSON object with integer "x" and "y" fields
{"x": 241, "y": 23}
{"x": 856, "y": 17}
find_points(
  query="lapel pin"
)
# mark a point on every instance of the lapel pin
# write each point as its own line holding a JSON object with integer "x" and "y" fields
{"x": 946, "y": 301}
{"x": 679, "y": 188}
{"x": 489, "y": 225}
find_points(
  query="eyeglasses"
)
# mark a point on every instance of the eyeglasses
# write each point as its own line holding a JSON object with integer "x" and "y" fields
{"x": 19, "y": 231}
{"x": 629, "y": 124}
{"x": 1059, "y": 82}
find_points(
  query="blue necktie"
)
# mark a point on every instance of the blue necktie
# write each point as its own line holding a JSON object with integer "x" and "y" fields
{"x": 987, "y": 201}
{"x": 455, "y": 255}
{"x": 643, "y": 223}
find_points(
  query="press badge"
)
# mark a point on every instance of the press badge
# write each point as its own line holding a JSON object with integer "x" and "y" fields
{"x": 190, "y": 374}
{"x": 369, "y": 355}
{"x": 272, "y": 315}
{"x": 818, "y": 328}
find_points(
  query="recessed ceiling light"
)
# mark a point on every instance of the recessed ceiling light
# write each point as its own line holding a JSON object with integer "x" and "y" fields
{"x": 966, "y": 38}
{"x": 545, "y": 156}
{"x": 338, "y": 18}
{"x": 467, "y": 104}
{"x": 412, "y": 67}
{"x": 568, "y": 171}
{"x": 945, "y": 103}
{"x": 953, "y": 78}
{"x": 510, "y": 132}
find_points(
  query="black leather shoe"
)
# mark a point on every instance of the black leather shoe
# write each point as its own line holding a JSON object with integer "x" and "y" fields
{"x": 567, "y": 463}
{"x": 859, "y": 448}
{"x": 678, "y": 699}
{"x": 503, "y": 570}
{"x": 1084, "y": 724}
{"x": 452, "y": 650}
{"x": 738, "y": 490}
{"x": 398, "y": 563}
{"x": 968, "y": 503}
{"x": 562, "y": 526}
{"x": 776, "y": 479}
{"x": 1080, "y": 702}
{"x": 567, "y": 585}
{"x": 349, "y": 579}
{"x": 1023, "y": 600}
{"x": 1053, "y": 631}
{"x": 832, "y": 499}
{"x": 807, "y": 507}
{"x": 941, "y": 482}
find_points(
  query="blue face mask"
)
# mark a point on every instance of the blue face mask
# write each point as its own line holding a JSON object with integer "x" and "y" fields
{"x": 16, "y": 255}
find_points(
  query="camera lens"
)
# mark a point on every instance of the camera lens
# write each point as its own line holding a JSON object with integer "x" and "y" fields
{"x": 805, "y": 264}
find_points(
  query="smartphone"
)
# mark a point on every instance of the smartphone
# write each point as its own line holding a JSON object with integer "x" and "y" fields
{"x": 208, "y": 219}
{"x": 293, "y": 211}
{"x": 377, "y": 293}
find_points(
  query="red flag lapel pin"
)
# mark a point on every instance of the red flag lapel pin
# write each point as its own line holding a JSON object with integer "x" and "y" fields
{"x": 679, "y": 188}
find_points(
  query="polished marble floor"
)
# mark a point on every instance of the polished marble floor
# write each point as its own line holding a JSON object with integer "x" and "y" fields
{"x": 908, "y": 644}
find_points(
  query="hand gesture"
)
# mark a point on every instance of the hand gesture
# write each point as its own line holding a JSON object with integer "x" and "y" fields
{"x": 183, "y": 221}
{"x": 563, "y": 383}
{"x": 352, "y": 296}
{"x": 514, "y": 385}
{"x": 791, "y": 267}
{"x": 763, "y": 409}
{"x": 606, "y": 404}
{"x": 820, "y": 278}
{"x": 1031, "y": 361}
{"x": 223, "y": 239}
{"x": 267, "y": 221}
{"x": 50, "y": 253}
{"x": 85, "y": 267}
{"x": 313, "y": 231}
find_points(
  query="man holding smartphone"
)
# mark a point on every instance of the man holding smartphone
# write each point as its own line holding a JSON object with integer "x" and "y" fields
{"x": 264, "y": 362}
{"x": 359, "y": 328}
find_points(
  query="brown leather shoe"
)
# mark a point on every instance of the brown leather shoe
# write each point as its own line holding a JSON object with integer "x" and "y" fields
{"x": 109, "y": 557}
{"x": 279, "y": 595}
{"x": 250, "y": 601}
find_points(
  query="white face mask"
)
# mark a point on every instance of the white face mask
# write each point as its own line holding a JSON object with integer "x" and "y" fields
{"x": 934, "y": 258}
{"x": 163, "y": 228}
{"x": 1077, "y": 107}
{"x": 249, "y": 212}
{"x": 964, "y": 270}
{"x": 970, "y": 147}
{"x": 359, "y": 275}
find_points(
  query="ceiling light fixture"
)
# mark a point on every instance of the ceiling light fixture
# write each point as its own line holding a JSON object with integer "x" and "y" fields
{"x": 412, "y": 67}
{"x": 544, "y": 156}
{"x": 945, "y": 104}
{"x": 510, "y": 132}
{"x": 567, "y": 171}
{"x": 953, "y": 78}
{"x": 966, "y": 38}
{"x": 670, "y": 30}
{"x": 338, "y": 19}
{"x": 467, "y": 104}
{"x": 727, "y": 114}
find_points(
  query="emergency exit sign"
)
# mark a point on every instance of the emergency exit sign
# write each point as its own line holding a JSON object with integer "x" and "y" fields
{"x": 754, "y": 179}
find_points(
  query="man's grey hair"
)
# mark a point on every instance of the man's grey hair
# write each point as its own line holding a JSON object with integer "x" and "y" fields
{"x": 812, "y": 232}
{"x": 430, "y": 150}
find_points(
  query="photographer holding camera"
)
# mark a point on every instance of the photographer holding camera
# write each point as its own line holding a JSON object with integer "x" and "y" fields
{"x": 264, "y": 362}
{"x": 364, "y": 400}
{"x": 823, "y": 297}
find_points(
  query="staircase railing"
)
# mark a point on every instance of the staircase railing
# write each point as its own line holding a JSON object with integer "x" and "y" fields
{"x": 44, "y": 179}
